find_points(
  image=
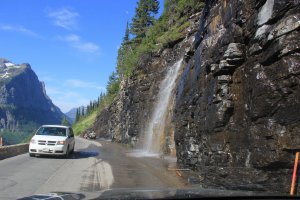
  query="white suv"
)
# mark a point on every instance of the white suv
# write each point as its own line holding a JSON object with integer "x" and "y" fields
{"x": 52, "y": 140}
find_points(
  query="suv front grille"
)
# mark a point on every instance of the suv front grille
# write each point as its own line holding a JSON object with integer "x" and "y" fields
{"x": 42, "y": 142}
{"x": 51, "y": 143}
{"x": 48, "y": 143}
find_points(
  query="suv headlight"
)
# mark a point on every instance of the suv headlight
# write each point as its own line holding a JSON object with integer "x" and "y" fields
{"x": 61, "y": 142}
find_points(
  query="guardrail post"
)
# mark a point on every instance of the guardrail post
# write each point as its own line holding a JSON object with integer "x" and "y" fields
{"x": 292, "y": 192}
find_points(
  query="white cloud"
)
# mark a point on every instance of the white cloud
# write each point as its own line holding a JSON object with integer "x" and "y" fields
{"x": 76, "y": 42}
{"x": 73, "y": 94}
{"x": 75, "y": 83}
{"x": 127, "y": 12}
{"x": 67, "y": 98}
{"x": 66, "y": 106}
{"x": 64, "y": 18}
{"x": 19, "y": 29}
{"x": 67, "y": 101}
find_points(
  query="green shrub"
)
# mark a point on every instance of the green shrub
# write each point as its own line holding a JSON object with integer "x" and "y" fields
{"x": 167, "y": 30}
{"x": 84, "y": 123}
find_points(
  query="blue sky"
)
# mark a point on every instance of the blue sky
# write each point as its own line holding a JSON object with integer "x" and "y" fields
{"x": 71, "y": 44}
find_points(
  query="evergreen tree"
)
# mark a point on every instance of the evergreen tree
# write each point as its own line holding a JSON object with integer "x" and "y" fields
{"x": 94, "y": 105}
{"x": 112, "y": 84}
{"x": 88, "y": 109}
{"x": 77, "y": 115}
{"x": 123, "y": 51}
{"x": 99, "y": 99}
{"x": 144, "y": 17}
{"x": 65, "y": 122}
{"x": 82, "y": 111}
{"x": 126, "y": 36}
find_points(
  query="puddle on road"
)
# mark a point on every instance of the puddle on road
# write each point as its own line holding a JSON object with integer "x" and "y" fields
{"x": 140, "y": 153}
{"x": 97, "y": 176}
{"x": 171, "y": 161}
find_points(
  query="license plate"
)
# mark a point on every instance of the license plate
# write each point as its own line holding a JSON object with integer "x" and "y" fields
{"x": 46, "y": 149}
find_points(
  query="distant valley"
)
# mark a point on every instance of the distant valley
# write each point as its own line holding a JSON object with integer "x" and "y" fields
{"x": 71, "y": 115}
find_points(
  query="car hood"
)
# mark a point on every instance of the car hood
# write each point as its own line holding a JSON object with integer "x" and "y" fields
{"x": 48, "y": 137}
{"x": 155, "y": 193}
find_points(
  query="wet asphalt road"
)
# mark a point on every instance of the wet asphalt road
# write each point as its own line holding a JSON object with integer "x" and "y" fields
{"x": 94, "y": 167}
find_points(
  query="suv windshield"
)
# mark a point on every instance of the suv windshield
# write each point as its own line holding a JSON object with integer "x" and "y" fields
{"x": 140, "y": 99}
{"x": 52, "y": 131}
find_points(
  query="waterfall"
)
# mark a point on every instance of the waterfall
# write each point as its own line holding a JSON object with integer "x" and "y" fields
{"x": 154, "y": 134}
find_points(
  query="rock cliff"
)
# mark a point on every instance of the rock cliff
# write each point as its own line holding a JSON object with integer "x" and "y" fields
{"x": 127, "y": 118}
{"x": 237, "y": 107}
{"x": 234, "y": 116}
{"x": 24, "y": 103}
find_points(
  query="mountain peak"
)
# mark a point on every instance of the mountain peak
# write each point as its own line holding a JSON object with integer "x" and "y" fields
{"x": 23, "y": 99}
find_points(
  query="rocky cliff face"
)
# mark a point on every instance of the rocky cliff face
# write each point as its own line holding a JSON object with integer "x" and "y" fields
{"x": 235, "y": 112}
{"x": 237, "y": 108}
{"x": 23, "y": 99}
{"x": 127, "y": 118}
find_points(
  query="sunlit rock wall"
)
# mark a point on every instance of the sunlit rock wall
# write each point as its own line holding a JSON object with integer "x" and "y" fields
{"x": 235, "y": 113}
{"x": 126, "y": 119}
{"x": 236, "y": 117}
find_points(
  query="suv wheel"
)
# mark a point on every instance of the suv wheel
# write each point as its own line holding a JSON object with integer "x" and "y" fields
{"x": 67, "y": 152}
{"x": 72, "y": 151}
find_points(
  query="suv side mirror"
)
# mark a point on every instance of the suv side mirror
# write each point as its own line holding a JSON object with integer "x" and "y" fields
{"x": 70, "y": 133}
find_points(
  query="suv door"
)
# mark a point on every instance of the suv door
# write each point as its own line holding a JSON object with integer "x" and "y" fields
{"x": 71, "y": 138}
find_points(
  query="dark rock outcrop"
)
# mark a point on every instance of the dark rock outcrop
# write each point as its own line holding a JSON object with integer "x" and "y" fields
{"x": 237, "y": 110}
{"x": 23, "y": 99}
{"x": 235, "y": 114}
